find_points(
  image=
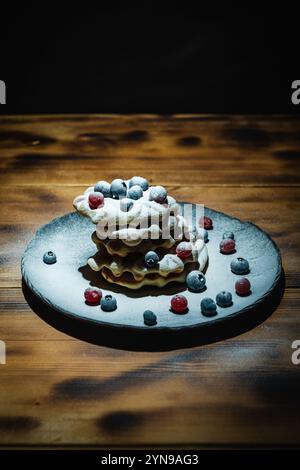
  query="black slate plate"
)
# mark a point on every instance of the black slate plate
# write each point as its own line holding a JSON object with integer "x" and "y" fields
{"x": 60, "y": 287}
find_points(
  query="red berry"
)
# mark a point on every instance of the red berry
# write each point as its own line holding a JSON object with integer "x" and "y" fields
{"x": 242, "y": 286}
{"x": 227, "y": 246}
{"x": 183, "y": 250}
{"x": 206, "y": 222}
{"x": 179, "y": 303}
{"x": 92, "y": 295}
{"x": 96, "y": 200}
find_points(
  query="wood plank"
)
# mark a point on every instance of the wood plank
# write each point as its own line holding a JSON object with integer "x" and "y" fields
{"x": 238, "y": 391}
{"x": 273, "y": 209}
{"x": 232, "y": 150}
{"x": 58, "y": 390}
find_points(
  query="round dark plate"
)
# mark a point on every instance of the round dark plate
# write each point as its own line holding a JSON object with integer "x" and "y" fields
{"x": 61, "y": 286}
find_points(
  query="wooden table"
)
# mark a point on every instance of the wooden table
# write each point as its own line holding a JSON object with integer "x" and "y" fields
{"x": 56, "y": 390}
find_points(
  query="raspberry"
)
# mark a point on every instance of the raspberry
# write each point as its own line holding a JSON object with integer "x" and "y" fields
{"x": 96, "y": 200}
{"x": 227, "y": 246}
{"x": 183, "y": 250}
{"x": 242, "y": 286}
{"x": 179, "y": 303}
{"x": 92, "y": 296}
{"x": 206, "y": 222}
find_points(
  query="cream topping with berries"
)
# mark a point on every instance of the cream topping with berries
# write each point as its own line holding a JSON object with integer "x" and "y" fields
{"x": 132, "y": 226}
{"x": 132, "y": 220}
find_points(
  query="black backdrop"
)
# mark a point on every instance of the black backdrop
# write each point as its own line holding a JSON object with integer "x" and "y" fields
{"x": 146, "y": 59}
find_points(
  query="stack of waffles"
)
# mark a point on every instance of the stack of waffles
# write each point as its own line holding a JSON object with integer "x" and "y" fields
{"x": 148, "y": 224}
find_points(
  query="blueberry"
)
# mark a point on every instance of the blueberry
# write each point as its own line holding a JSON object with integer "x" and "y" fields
{"x": 200, "y": 232}
{"x": 149, "y": 318}
{"x": 228, "y": 235}
{"x": 151, "y": 259}
{"x": 208, "y": 307}
{"x": 135, "y": 192}
{"x": 49, "y": 257}
{"x": 158, "y": 194}
{"x": 139, "y": 181}
{"x": 205, "y": 235}
{"x": 118, "y": 188}
{"x": 224, "y": 299}
{"x": 195, "y": 281}
{"x": 126, "y": 204}
{"x": 239, "y": 266}
{"x": 108, "y": 303}
{"x": 103, "y": 187}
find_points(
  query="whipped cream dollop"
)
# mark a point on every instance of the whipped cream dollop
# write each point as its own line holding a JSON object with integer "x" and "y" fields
{"x": 145, "y": 219}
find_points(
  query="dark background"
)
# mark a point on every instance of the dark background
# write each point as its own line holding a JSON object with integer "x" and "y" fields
{"x": 145, "y": 59}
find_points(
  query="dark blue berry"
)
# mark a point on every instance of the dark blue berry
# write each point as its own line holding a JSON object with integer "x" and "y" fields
{"x": 135, "y": 192}
{"x": 208, "y": 307}
{"x": 118, "y": 188}
{"x": 49, "y": 257}
{"x": 239, "y": 266}
{"x": 151, "y": 259}
{"x": 139, "y": 181}
{"x": 108, "y": 303}
{"x": 228, "y": 235}
{"x": 224, "y": 299}
{"x": 158, "y": 194}
{"x": 201, "y": 233}
{"x": 126, "y": 204}
{"x": 103, "y": 187}
{"x": 196, "y": 281}
{"x": 149, "y": 318}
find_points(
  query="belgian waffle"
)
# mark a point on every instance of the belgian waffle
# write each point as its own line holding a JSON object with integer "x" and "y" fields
{"x": 127, "y": 279}
{"x": 130, "y": 271}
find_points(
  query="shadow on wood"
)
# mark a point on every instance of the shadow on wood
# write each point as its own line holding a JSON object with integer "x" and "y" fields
{"x": 147, "y": 339}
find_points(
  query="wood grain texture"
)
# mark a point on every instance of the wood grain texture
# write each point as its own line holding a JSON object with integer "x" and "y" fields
{"x": 57, "y": 390}
{"x": 212, "y": 150}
